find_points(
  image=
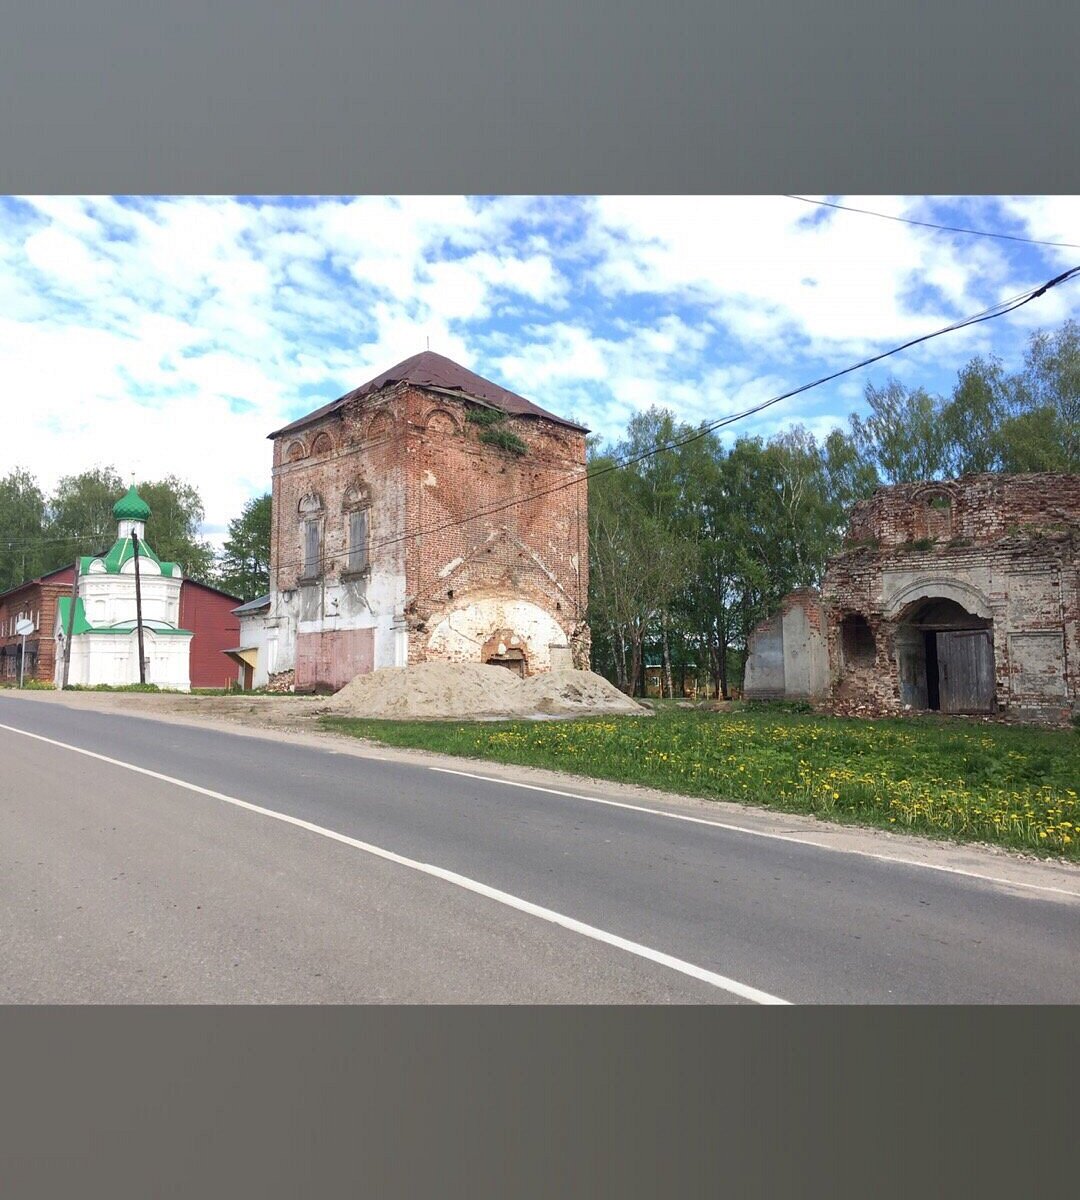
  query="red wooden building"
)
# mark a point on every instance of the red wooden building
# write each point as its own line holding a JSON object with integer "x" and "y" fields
{"x": 206, "y": 611}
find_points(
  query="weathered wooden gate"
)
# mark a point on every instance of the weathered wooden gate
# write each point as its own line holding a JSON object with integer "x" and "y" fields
{"x": 966, "y": 671}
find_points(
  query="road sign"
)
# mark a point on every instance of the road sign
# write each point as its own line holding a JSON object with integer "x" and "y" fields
{"x": 23, "y": 626}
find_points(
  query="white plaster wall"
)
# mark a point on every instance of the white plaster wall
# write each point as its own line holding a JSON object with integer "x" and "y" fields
{"x": 113, "y": 659}
{"x": 253, "y": 635}
{"x": 110, "y": 599}
{"x": 382, "y": 609}
{"x": 764, "y": 672}
{"x": 806, "y": 669}
{"x": 461, "y": 634}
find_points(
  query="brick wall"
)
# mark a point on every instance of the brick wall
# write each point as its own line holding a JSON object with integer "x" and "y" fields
{"x": 38, "y": 599}
{"x": 449, "y": 535}
{"x": 977, "y": 508}
{"x": 1002, "y": 548}
{"x": 534, "y": 550}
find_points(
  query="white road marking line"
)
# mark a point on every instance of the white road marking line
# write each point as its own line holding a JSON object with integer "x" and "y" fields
{"x": 733, "y": 986}
{"x": 761, "y": 833}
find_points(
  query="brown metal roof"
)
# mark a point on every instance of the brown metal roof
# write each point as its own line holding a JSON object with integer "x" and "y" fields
{"x": 429, "y": 369}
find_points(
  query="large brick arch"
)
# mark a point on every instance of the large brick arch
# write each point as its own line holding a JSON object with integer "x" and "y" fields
{"x": 969, "y": 598}
{"x": 479, "y": 626}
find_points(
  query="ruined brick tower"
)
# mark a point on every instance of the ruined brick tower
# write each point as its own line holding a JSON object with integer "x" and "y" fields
{"x": 960, "y": 596}
{"x": 429, "y": 514}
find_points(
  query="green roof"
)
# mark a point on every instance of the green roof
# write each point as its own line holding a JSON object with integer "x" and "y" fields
{"x": 131, "y": 507}
{"x": 123, "y": 549}
{"x": 82, "y": 625}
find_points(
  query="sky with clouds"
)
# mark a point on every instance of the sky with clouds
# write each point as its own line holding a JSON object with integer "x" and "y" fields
{"x": 171, "y": 335}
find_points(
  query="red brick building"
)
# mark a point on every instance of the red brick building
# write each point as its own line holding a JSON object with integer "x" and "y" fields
{"x": 429, "y": 514}
{"x": 206, "y": 611}
{"x": 35, "y": 599}
{"x": 959, "y": 596}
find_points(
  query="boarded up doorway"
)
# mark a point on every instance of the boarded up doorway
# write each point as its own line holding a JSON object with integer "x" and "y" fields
{"x": 946, "y": 659}
{"x": 965, "y": 661}
{"x": 327, "y": 661}
{"x": 513, "y": 660}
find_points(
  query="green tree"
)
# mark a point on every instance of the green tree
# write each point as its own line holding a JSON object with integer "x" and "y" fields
{"x": 903, "y": 436}
{"x": 176, "y": 513}
{"x": 80, "y": 519}
{"x": 972, "y": 418}
{"x": 637, "y": 562}
{"x": 1042, "y": 431}
{"x": 22, "y": 529}
{"x": 244, "y": 566}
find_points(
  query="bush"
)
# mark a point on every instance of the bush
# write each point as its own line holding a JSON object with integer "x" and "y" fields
{"x": 115, "y": 687}
{"x": 505, "y": 440}
{"x": 485, "y": 416}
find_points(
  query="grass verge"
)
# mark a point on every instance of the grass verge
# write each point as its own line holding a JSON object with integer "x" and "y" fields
{"x": 1009, "y": 785}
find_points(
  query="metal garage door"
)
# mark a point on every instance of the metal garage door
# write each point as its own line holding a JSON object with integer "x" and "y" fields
{"x": 331, "y": 660}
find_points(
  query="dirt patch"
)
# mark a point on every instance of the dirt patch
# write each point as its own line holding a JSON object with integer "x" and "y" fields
{"x": 431, "y": 691}
{"x": 260, "y": 711}
{"x": 459, "y": 691}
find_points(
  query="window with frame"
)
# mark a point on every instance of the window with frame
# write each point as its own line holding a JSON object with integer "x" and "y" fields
{"x": 312, "y": 548}
{"x": 311, "y": 536}
{"x": 359, "y": 529}
{"x": 357, "y": 508}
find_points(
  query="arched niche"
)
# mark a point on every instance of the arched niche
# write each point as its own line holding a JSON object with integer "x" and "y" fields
{"x": 323, "y": 443}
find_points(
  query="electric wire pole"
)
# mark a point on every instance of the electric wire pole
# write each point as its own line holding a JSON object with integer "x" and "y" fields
{"x": 138, "y": 607}
{"x": 70, "y": 624}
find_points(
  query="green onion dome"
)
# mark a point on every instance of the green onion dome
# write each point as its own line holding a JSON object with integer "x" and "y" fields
{"x": 131, "y": 507}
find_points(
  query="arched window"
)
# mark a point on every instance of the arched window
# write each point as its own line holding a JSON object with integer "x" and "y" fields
{"x": 294, "y": 451}
{"x": 322, "y": 444}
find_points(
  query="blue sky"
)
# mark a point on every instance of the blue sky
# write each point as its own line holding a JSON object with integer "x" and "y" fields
{"x": 170, "y": 335}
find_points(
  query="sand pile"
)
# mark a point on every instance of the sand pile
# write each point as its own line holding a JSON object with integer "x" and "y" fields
{"x": 574, "y": 691}
{"x": 436, "y": 690}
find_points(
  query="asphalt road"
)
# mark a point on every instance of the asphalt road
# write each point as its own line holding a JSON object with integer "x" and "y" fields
{"x": 363, "y": 880}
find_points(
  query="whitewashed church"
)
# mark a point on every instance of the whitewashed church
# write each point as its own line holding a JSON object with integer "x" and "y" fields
{"x": 104, "y": 637}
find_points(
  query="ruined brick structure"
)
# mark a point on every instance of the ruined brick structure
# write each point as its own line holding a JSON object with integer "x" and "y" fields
{"x": 961, "y": 596}
{"x": 395, "y": 539}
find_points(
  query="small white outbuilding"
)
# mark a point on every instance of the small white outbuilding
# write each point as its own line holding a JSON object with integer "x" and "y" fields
{"x": 103, "y": 630}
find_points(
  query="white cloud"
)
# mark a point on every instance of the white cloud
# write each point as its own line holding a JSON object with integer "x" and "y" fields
{"x": 169, "y": 336}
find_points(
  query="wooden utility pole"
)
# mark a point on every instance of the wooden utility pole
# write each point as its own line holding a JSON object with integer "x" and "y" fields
{"x": 71, "y": 625}
{"x": 138, "y": 607}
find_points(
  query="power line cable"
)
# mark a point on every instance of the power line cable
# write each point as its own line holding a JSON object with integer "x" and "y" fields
{"x": 866, "y": 212}
{"x": 1000, "y": 309}
{"x": 994, "y": 311}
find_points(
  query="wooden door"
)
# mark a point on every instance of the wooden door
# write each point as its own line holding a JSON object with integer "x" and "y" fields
{"x": 966, "y": 671}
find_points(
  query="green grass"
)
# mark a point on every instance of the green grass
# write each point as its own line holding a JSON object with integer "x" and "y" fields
{"x": 1009, "y": 785}
{"x": 116, "y": 687}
